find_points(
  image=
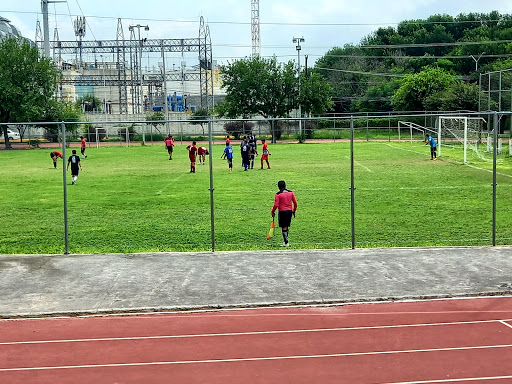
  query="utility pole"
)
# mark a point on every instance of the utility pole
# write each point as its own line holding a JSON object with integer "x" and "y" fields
{"x": 46, "y": 26}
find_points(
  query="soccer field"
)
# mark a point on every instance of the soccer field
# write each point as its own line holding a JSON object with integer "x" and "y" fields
{"x": 133, "y": 199}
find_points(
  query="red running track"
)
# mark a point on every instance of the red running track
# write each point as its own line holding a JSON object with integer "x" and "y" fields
{"x": 442, "y": 341}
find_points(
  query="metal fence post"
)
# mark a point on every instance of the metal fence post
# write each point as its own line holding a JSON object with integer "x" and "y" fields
{"x": 494, "y": 185}
{"x": 64, "y": 182}
{"x": 211, "y": 189}
{"x": 352, "y": 187}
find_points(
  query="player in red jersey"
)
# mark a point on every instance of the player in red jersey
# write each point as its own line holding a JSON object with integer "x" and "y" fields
{"x": 55, "y": 155}
{"x": 192, "y": 154}
{"x": 286, "y": 203}
{"x": 202, "y": 152}
{"x": 82, "y": 147}
{"x": 264, "y": 154}
{"x": 169, "y": 144}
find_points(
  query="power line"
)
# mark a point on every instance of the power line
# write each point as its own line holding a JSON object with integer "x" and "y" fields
{"x": 422, "y": 22}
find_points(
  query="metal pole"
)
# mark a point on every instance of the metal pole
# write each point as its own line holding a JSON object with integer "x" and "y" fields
{"x": 64, "y": 181}
{"x": 211, "y": 189}
{"x": 298, "y": 73}
{"x": 494, "y": 185}
{"x": 166, "y": 110}
{"x": 46, "y": 28}
{"x": 352, "y": 187}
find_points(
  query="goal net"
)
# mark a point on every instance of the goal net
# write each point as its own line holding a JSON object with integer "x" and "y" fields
{"x": 469, "y": 134}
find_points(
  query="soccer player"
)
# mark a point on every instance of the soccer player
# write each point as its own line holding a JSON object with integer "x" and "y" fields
{"x": 202, "y": 152}
{"x": 265, "y": 153}
{"x": 252, "y": 149}
{"x": 192, "y": 154}
{"x": 228, "y": 154}
{"x": 245, "y": 150}
{"x": 286, "y": 203}
{"x": 82, "y": 147}
{"x": 74, "y": 161}
{"x": 55, "y": 155}
{"x": 228, "y": 140}
{"x": 169, "y": 144}
{"x": 433, "y": 146}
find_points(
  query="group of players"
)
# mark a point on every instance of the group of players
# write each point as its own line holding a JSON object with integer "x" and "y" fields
{"x": 248, "y": 152}
{"x": 73, "y": 160}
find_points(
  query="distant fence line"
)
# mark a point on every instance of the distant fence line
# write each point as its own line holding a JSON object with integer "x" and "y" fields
{"x": 365, "y": 124}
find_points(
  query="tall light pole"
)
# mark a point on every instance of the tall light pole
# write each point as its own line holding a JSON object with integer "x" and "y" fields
{"x": 298, "y": 40}
{"x": 146, "y": 28}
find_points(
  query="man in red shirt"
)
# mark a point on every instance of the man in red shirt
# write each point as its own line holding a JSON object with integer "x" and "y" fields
{"x": 202, "y": 152}
{"x": 286, "y": 203}
{"x": 82, "y": 147}
{"x": 169, "y": 144}
{"x": 192, "y": 153}
{"x": 55, "y": 155}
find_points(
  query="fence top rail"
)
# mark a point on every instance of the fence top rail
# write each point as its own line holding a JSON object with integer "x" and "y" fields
{"x": 213, "y": 120}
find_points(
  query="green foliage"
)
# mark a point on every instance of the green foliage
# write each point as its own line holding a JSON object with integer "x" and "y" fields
{"x": 315, "y": 94}
{"x": 27, "y": 83}
{"x": 156, "y": 118}
{"x": 258, "y": 86}
{"x": 458, "y": 96}
{"x": 409, "y": 49}
{"x": 415, "y": 89}
{"x": 89, "y": 103}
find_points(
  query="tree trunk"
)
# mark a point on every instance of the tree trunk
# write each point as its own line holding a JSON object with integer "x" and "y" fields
{"x": 6, "y": 138}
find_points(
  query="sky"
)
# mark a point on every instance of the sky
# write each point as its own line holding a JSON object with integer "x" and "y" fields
{"x": 324, "y": 24}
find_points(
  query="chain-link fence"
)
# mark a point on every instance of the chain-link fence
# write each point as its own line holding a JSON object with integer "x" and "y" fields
{"x": 361, "y": 181}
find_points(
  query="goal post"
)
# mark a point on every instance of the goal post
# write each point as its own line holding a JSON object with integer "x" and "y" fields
{"x": 463, "y": 132}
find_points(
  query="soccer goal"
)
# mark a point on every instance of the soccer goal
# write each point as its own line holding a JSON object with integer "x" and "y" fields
{"x": 412, "y": 131}
{"x": 465, "y": 133}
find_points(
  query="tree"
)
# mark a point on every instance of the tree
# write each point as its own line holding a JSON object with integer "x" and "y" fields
{"x": 315, "y": 94}
{"x": 415, "y": 89}
{"x": 199, "y": 116}
{"x": 89, "y": 103}
{"x": 459, "y": 96}
{"x": 27, "y": 83}
{"x": 258, "y": 86}
{"x": 264, "y": 87}
{"x": 156, "y": 119}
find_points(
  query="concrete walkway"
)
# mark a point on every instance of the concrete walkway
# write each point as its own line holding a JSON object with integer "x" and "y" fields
{"x": 33, "y": 285}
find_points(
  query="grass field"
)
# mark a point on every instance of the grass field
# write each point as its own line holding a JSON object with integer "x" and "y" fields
{"x": 133, "y": 199}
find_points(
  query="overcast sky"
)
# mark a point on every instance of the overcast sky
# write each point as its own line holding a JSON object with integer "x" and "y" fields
{"x": 323, "y": 23}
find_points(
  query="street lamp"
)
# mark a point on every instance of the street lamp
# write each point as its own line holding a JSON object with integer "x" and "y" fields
{"x": 298, "y": 40}
{"x": 146, "y": 28}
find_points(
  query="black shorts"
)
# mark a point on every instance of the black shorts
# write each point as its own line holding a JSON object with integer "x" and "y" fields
{"x": 285, "y": 218}
{"x": 169, "y": 148}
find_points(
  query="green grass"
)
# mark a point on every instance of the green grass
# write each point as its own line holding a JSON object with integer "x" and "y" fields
{"x": 133, "y": 199}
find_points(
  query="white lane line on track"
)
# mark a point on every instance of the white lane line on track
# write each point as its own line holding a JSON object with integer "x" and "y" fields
{"x": 235, "y": 360}
{"x": 505, "y": 323}
{"x": 251, "y": 333}
{"x": 452, "y": 380}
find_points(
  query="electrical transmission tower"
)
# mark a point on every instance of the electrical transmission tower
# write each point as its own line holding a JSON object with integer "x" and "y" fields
{"x": 255, "y": 27}
{"x": 121, "y": 69}
{"x": 79, "y": 27}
